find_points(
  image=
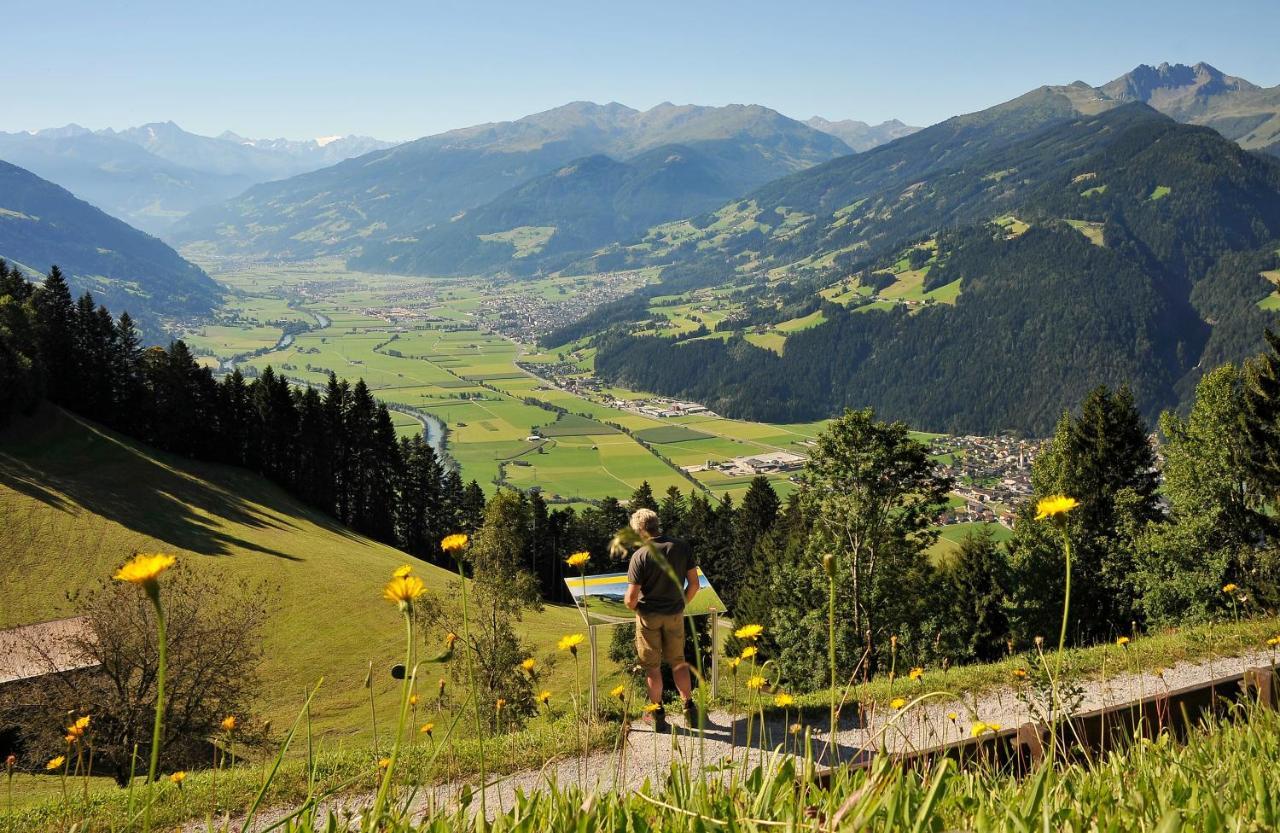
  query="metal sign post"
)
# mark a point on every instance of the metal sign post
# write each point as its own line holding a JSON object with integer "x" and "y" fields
{"x": 715, "y": 653}
{"x": 595, "y": 671}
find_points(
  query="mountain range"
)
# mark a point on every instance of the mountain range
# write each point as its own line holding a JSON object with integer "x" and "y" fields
{"x": 42, "y": 224}
{"x": 859, "y": 135}
{"x": 152, "y": 175}
{"x": 399, "y": 194}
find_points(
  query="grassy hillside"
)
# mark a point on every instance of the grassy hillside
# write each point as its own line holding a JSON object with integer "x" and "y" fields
{"x": 76, "y": 500}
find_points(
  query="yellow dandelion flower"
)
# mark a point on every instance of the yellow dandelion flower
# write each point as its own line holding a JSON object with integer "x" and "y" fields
{"x": 755, "y": 683}
{"x": 1122, "y": 641}
{"x": 749, "y": 652}
{"x": 734, "y": 663}
{"x": 618, "y": 691}
{"x": 55, "y": 763}
{"x": 544, "y": 697}
{"x": 426, "y": 729}
{"x": 784, "y": 701}
{"x": 178, "y": 777}
{"x": 1229, "y": 588}
{"x": 578, "y": 560}
{"x": 498, "y": 706}
{"x": 403, "y": 590}
{"x": 749, "y": 632}
{"x": 70, "y": 739}
{"x": 570, "y": 643}
{"x": 916, "y": 673}
{"x": 897, "y": 703}
{"x": 82, "y": 723}
{"x": 144, "y": 568}
{"x": 979, "y": 728}
{"x": 952, "y": 716}
{"x": 995, "y": 727}
{"x": 1055, "y": 505}
{"x": 650, "y": 708}
{"x": 528, "y": 664}
{"x": 449, "y": 639}
{"x": 454, "y": 543}
{"x": 1274, "y": 641}
{"x": 229, "y": 723}
{"x": 413, "y": 699}
{"x": 383, "y": 763}
{"x": 402, "y": 571}
{"x": 1020, "y": 673}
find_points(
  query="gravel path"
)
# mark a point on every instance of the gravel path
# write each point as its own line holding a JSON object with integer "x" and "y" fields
{"x": 648, "y": 756}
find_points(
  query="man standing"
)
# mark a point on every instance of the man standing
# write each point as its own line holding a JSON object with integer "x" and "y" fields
{"x": 662, "y": 578}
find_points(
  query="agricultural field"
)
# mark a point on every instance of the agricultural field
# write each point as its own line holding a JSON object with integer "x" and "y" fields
{"x": 426, "y": 347}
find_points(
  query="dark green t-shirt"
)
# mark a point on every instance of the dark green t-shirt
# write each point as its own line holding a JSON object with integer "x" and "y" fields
{"x": 658, "y": 593}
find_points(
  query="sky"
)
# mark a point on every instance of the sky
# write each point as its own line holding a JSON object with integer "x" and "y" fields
{"x": 399, "y": 70}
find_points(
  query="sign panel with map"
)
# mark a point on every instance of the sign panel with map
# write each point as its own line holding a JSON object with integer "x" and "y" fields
{"x": 599, "y": 598}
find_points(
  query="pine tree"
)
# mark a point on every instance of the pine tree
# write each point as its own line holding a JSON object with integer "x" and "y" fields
{"x": 55, "y": 328}
{"x": 671, "y": 511}
{"x": 642, "y": 498}
{"x": 973, "y": 623}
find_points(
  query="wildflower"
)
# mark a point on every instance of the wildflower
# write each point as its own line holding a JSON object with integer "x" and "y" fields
{"x": 544, "y": 697}
{"x": 440, "y": 694}
{"x": 1039, "y": 642}
{"x": 995, "y": 727}
{"x": 528, "y": 665}
{"x": 449, "y": 639}
{"x": 1054, "y": 506}
{"x": 178, "y": 777}
{"x": 383, "y": 763}
{"x": 734, "y": 663}
{"x": 454, "y": 543}
{"x": 70, "y": 739}
{"x": 10, "y": 762}
{"x": 55, "y": 763}
{"x": 413, "y": 699}
{"x": 578, "y": 560}
{"x": 426, "y": 729}
{"x": 82, "y": 723}
{"x": 897, "y": 703}
{"x": 979, "y": 728}
{"x": 650, "y": 708}
{"x": 402, "y": 571}
{"x": 749, "y": 632}
{"x": 76, "y": 730}
{"x": 952, "y": 716}
{"x": 749, "y": 652}
{"x": 498, "y": 706}
{"x": 784, "y": 701}
{"x": 795, "y": 728}
{"x": 916, "y": 673}
{"x": 618, "y": 691}
{"x": 570, "y": 643}
{"x": 1159, "y": 672}
{"x": 144, "y": 568}
{"x": 1020, "y": 673}
{"x": 1122, "y": 641}
{"x": 403, "y": 590}
{"x": 755, "y": 683}
{"x": 1274, "y": 641}
{"x": 1229, "y": 588}
{"x": 229, "y": 723}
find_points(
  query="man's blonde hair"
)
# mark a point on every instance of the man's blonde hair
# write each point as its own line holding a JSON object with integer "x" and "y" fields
{"x": 645, "y": 521}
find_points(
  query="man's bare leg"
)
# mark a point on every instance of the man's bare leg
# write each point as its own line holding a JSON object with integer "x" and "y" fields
{"x": 683, "y": 684}
{"x": 653, "y": 677}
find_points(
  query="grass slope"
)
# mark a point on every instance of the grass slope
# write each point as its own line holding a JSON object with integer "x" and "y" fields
{"x": 76, "y": 500}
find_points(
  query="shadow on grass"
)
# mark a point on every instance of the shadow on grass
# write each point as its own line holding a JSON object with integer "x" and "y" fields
{"x": 65, "y": 462}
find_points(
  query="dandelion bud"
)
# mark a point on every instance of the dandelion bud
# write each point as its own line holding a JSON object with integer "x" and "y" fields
{"x": 1039, "y": 642}
{"x": 829, "y": 565}
{"x": 10, "y": 762}
{"x": 442, "y": 686}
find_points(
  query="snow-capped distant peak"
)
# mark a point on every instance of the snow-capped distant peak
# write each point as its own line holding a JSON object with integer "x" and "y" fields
{"x": 325, "y": 140}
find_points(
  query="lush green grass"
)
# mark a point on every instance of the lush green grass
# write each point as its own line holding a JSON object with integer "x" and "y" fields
{"x": 950, "y": 536}
{"x": 670, "y": 434}
{"x": 1091, "y": 230}
{"x": 1160, "y": 192}
{"x": 77, "y": 501}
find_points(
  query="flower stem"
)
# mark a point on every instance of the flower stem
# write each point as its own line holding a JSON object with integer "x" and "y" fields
{"x": 157, "y": 727}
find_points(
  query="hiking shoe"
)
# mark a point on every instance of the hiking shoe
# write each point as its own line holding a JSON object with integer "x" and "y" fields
{"x": 658, "y": 720}
{"x": 692, "y": 717}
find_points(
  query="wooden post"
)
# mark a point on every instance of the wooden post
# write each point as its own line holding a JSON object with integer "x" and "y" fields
{"x": 595, "y": 670}
{"x": 715, "y": 653}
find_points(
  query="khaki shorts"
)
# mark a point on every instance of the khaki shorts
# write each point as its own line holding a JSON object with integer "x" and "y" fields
{"x": 660, "y": 638}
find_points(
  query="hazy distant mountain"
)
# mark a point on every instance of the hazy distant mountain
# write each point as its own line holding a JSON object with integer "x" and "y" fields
{"x": 1201, "y": 94}
{"x": 42, "y": 224}
{"x": 401, "y": 192}
{"x": 862, "y": 136}
{"x": 150, "y": 176}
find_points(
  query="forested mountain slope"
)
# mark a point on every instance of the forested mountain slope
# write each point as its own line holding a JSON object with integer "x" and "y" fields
{"x": 41, "y": 223}
{"x": 1157, "y": 275}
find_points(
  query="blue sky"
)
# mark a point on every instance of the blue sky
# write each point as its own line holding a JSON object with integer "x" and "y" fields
{"x": 399, "y": 70}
